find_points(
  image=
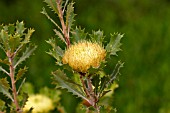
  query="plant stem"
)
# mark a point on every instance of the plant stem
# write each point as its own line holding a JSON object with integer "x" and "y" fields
{"x": 12, "y": 77}
{"x": 65, "y": 31}
{"x": 93, "y": 99}
{"x": 84, "y": 85}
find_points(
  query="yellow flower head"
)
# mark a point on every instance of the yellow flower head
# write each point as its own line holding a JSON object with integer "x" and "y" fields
{"x": 82, "y": 55}
{"x": 39, "y": 103}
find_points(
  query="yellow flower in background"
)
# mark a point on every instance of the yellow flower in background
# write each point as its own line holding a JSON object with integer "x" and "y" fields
{"x": 39, "y": 103}
{"x": 82, "y": 55}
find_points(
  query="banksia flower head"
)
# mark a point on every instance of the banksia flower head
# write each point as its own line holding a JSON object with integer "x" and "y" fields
{"x": 84, "y": 54}
{"x": 39, "y": 103}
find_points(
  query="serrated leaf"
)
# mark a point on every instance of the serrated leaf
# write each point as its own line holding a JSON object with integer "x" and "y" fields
{"x": 2, "y": 69}
{"x": 20, "y": 86}
{"x": 52, "y": 42}
{"x": 56, "y": 51}
{"x": 27, "y": 36}
{"x": 115, "y": 73}
{"x": 96, "y": 83}
{"x": 107, "y": 80}
{"x": 11, "y": 29}
{"x": 52, "y": 4}
{"x": 21, "y": 72}
{"x": 46, "y": 14}
{"x": 29, "y": 50}
{"x": 97, "y": 36}
{"x": 5, "y": 83}
{"x": 20, "y": 28}
{"x": 63, "y": 82}
{"x": 4, "y": 88}
{"x": 104, "y": 81}
{"x": 2, "y": 106}
{"x": 14, "y": 42}
{"x": 60, "y": 35}
{"x": 78, "y": 34}
{"x": 114, "y": 45}
{"x": 4, "y": 40}
{"x": 70, "y": 15}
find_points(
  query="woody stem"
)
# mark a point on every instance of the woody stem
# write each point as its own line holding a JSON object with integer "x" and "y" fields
{"x": 65, "y": 31}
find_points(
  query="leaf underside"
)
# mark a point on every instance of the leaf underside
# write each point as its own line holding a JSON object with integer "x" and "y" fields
{"x": 4, "y": 88}
{"x": 63, "y": 82}
{"x": 29, "y": 50}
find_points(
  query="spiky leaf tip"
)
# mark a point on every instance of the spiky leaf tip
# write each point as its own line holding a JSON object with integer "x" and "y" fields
{"x": 52, "y": 4}
{"x": 97, "y": 36}
{"x": 63, "y": 82}
{"x": 4, "y": 88}
{"x": 70, "y": 15}
{"x": 114, "y": 45}
{"x": 78, "y": 34}
{"x": 20, "y": 73}
{"x": 26, "y": 54}
{"x": 56, "y": 51}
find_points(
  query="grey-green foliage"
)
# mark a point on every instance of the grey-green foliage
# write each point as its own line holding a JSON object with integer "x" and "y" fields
{"x": 98, "y": 76}
{"x": 15, "y": 43}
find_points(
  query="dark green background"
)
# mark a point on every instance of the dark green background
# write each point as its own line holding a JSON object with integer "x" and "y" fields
{"x": 144, "y": 86}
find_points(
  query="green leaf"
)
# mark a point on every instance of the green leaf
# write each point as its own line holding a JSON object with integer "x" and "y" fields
{"x": 52, "y": 4}
{"x": 4, "y": 40}
{"x": 29, "y": 50}
{"x": 65, "y": 83}
{"x": 11, "y": 28}
{"x": 4, "y": 88}
{"x": 78, "y": 34}
{"x": 60, "y": 35}
{"x": 5, "y": 83}
{"x": 114, "y": 45}
{"x": 108, "y": 80}
{"x": 56, "y": 51}
{"x": 97, "y": 36}
{"x": 115, "y": 73}
{"x": 5, "y": 61}
{"x": 2, "y": 69}
{"x": 2, "y": 106}
{"x": 52, "y": 42}
{"x": 70, "y": 15}
{"x": 96, "y": 83}
{"x": 104, "y": 81}
{"x": 46, "y": 14}
{"x": 14, "y": 42}
{"x": 20, "y": 28}
{"x": 21, "y": 72}
{"x": 21, "y": 85}
{"x": 27, "y": 36}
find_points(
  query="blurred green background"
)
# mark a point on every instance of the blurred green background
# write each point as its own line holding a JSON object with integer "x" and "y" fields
{"x": 144, "y": 86}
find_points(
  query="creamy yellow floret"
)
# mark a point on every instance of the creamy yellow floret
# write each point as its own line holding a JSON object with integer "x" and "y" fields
{"x": 84, "y": 54}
